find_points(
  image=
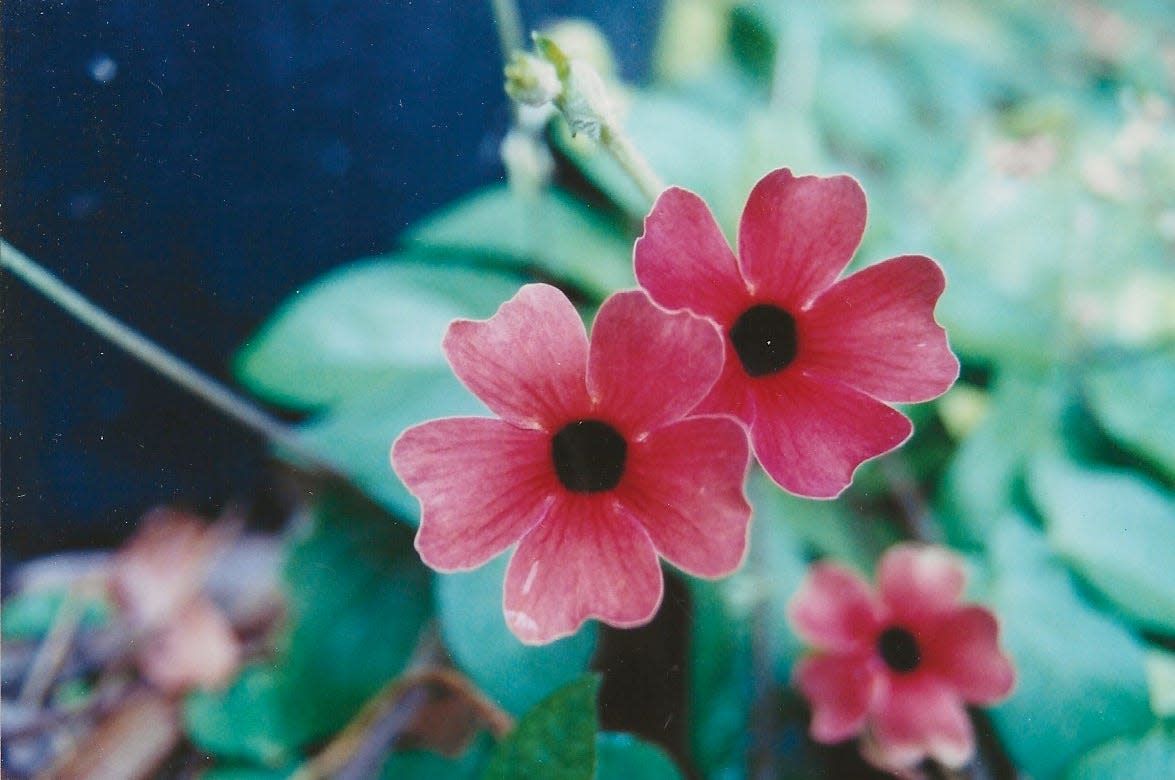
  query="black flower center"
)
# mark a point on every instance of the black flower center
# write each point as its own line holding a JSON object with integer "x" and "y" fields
{"x": 589, "y": 456}
{"x": 764, "y": 338}
{"x": 899, "y": 649}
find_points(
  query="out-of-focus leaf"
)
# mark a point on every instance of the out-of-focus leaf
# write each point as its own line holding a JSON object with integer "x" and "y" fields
{"x": 244, "y": 722}
{"x": 1135, "y": 401}
{"x": 554, "y": 233}
{"x": 774, "y": 568}
{"x": 719, "y": 693}
{"x": 674, "y": 134}
{"x": 1160, "y": 674}
{"x": 475, "y": 632}
{"x": 1149, "y": 758}
{"x": 425, "y": 765}
{"x": 1081, "y": 678}
{"x": 985, "y": 322}
{"x": 359, "y": 597}
{"x": 555, "y": 741}
{"x": 30, "y": 614}
{"x": 1115, "y": 530}
{"x": 356, "y": 435}
{"x": 362, "y": 324}
{"x": 625, "y": 757}
{"x": 1022, "y": 420}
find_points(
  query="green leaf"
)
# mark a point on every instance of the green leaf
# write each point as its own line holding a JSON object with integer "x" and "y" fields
{"x": 775, "y": 566}
{"x": 1135, "y": 401}
{"x": 359, "y": 597}
{"x": 356, "y": 435}
{"x": 470, "y": 608}
{"x": 425, "y": 765}
{"x": 1081, "y": 677}
{"x": 247, "y": 773}
{"x": 626, "y": 757}
{"x": 362, "y": 324}
{"x": 1021, "y": 421}
{"x": 242, "y": 723}
{"x": 30, "y": 614}
{"x": 1115, "y": 530}
{"x": 1149, "y": 758}
{"x": 553, "y": 233}
{"x": 719, "y": 677}
{"x": 555, "y": 741}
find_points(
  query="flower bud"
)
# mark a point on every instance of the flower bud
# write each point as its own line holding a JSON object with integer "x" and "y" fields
{"x": 528, "y": 162}
{"x": 531, "y": 80}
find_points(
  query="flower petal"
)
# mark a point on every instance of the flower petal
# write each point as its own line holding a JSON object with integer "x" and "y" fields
{"x": 587, "y": 559}
{"x": 835, "y": 610}
{"x": 840, "y": 689}
{"x": 964, "y": 649}
{"x": 875, "y": 331}
{"x": 810, "y": 435}
{"x": 685, "y": 486}
{"x": 921, "y": 715}
{"x": 684, "y": 262}
{"x": 528, "y": 361}
{"x": 482, "y": 484}
{"x": 637, "y": 346}
{"x": 917, "y": 581}
{"x": 798, "y": 234}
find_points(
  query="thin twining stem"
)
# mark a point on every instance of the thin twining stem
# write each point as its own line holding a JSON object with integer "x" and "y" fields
{"x": 508, "y": 22}
{"x": 151, "y": 354}
{"x": 632, "y": 161}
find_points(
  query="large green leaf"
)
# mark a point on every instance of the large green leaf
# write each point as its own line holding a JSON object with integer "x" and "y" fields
{"x": 625, "y": 757}
{"x": 1081, "y": 674}
{"x": 554, "y": 234}
{"x": 362, "y": 324}
{"x": 244, "y": 722}
{"x": 774, "y": 568}
{"x": 475, "y": 632}
{"x": 356, "y": 435}
{"x": 1135, "y": 401}
{"x": 555, "y": 741}
{"x": 719, "y": 695}
{"x": 1149, "y": 758}
{"x": 359, "y": 597}
{"x": 1021, "y": 421}
{"x": 1115, "y": 529}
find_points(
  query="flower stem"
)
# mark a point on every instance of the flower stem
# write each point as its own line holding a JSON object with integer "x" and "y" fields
{"x": 631, "y": 160}
{"x": 508, "y": 22}
{"x": 147, "y": 352}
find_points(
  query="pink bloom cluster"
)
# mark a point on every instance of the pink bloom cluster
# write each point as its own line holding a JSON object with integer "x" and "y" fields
{"x": 610, "y": 454}
{"x": 593, "y": 470}
{"x": 899, "y": 664}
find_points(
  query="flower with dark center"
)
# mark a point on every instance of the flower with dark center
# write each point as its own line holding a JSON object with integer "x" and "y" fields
{"x": 812, "y": 362}
{"x": 594, "y": 467}
{"x": 897, "y": 666}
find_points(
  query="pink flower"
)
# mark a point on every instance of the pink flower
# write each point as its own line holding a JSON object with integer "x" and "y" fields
{"x": 811, "y": 362}
{"x": 900, "y": 664}
{"x": 593, "y": 469}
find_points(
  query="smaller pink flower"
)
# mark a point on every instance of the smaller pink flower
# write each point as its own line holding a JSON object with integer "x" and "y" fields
{"x": 593, "y": 469}
{"x": 813, "y": 362}
{"x": 898, "y": 665}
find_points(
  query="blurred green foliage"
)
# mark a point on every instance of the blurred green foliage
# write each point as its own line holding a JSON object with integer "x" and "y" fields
{"x": 1028, "y": 147}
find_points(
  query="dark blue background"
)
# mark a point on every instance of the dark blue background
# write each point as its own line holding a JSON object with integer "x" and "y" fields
{"x": 239, "y": 150}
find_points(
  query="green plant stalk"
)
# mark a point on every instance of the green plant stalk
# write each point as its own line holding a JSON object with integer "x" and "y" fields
{"x": 632, "y": 161}
{"x": 150, "y": 354}
{"x": 508, "y": 22}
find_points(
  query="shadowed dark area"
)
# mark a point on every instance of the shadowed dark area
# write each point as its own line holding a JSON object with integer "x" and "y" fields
{"x": 187, "y": 167}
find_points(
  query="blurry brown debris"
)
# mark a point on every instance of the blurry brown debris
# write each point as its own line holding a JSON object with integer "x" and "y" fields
{"x": 130, "y": 743}
{"x": 183, "y": 640}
